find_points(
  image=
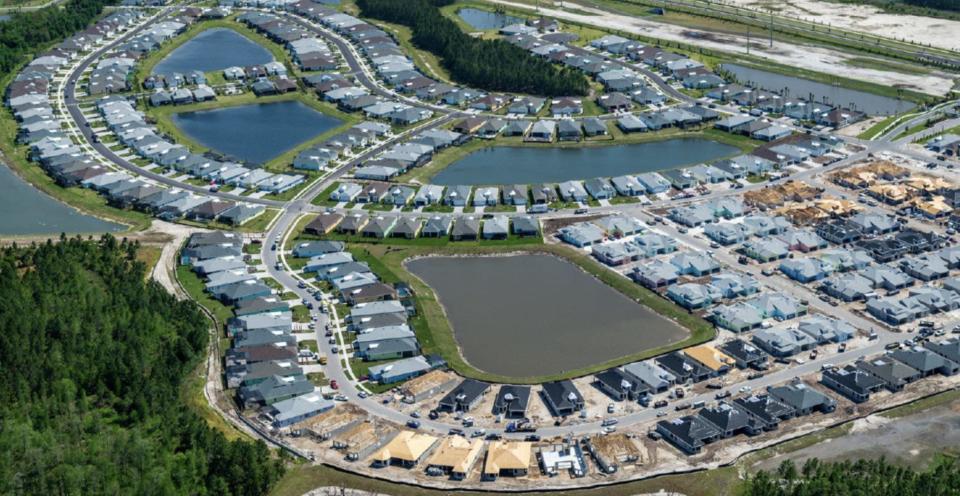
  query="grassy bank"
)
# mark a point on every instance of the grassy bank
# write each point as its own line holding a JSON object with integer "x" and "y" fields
{"x": 436, "y": 336}
{"x": 453, "y": 154}
{"x": 255, "y": 225}
{"x": 302, "y": 478}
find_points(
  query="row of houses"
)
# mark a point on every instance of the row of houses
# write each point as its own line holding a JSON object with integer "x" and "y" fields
{"x": 263, "y": 360}
{"x": 40, "y": 129}
{"x": 456, "y": 228}
{"x": 750, "y": 416}
{"x": 130, "y": 127}
{"x": 894, "y": 370}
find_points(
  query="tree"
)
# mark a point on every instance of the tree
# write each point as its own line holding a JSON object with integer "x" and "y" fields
{"x": 94, "y": 359}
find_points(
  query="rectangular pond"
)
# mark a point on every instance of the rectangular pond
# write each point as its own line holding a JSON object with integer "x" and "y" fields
{"x": 801, "y": 88}
{"x": 529, "y": 165}
{"x": 213, "y": 50}
{"x": 484, "y": 19}
{"x": 255, "y": 133}
{"x": 529, "y": 315}
{"x": 25, "y": 210}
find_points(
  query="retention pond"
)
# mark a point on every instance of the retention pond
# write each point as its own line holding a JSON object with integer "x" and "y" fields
{"x": 213, "y": 50}
{"x": 530, "y": 165}
{"x": 484, "y": 20}
{"x": 25, "y": 210}
{"x": 802, "y": 88}
{"x": 531, "y": 315}
{"x": 255, "y": 133}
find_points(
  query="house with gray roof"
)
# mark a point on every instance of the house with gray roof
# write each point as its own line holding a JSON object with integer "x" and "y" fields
{"x": 695, "y": 264}
{"x": 656, "y": 274}
{"x": 617, "y": 253}
{"x": 647, "y": 372}
{"x": 886, "y": 277}
{"x": 274, "y": 389}
{"x": 514, "y": 194}
{"x": 803, "y": 398}
{"x": 936, "y": 299}
{"x": 925, "y": 361}
{"x": 485, "y": 196}
{"x": 496, "y": 227}
{"x": 457, "y": 196}
{"x": 873, "y": 223}
{"x": 927, "y": 267}
{"x": 599, "y": 188}
{"x": 525, "y": 225}
{"x": 346, "y": 192}
{"x": 627, "y": 186}
{"x": 852, "y": 382}
{"x": 727, "y": 233}
{"x": 843, "y": 260}
{"x": 827, "y": 329}
{"x": 805, "y": 269}
{"x": 654, "y": 183}
{"x": 655, "y": 244}
{"x": 766, "y": 250}
{"x": 894, "y": 374}
{"x": 573, "y": 191}
{"x": 429, "y": 194}
{"x": 689, "y": 434}
{"x": 733, "y": 285}
{"x": 437, "y": 226}
{"x": 848, "y": 287}
{"x": 744, "y": 354}
{"x": 379, "y": 226}
{"x": 400, "y": 370}
{"x": 692, "y": 215}
{"x": 730, "y": 420}
{"x": 582, "y": 234}
{"x": 802, "y": 240}
{"x": 896, "y": 311}
{"x": 783, "y": 342}
{"x": 779, "y": 306}
{"x": 619, "y": 225}
{"x": 764, "y": 225}
{"x": 693, "y": 296}
{"x": 738, "y": 317}
{"x": 466, "y": 228}
{"x": 297, "y": 409}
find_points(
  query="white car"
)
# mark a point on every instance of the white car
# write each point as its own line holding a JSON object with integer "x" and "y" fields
{"x": 746, "y": 389}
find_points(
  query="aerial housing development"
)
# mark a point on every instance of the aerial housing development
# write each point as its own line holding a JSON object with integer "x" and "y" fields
{"x": 497, "y": 246}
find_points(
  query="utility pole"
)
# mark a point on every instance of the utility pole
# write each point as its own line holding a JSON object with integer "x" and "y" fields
{"x": 771, "y": 28}
{"x": 748, "y": 39}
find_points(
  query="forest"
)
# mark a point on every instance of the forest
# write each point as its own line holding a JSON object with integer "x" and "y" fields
{"x": 491, "y": 65}
{"x": 94, "y": 358}
{"x": 953, "y": 5}
{"x": 26, "y": 33}
{"x": 855, "y": 478}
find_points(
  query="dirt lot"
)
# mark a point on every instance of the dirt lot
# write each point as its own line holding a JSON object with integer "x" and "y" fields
{"x": 867, "y": 19}
{"x": 808, "y": 57}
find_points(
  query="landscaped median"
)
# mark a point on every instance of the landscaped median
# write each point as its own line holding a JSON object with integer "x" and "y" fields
{"x": 435, "y": 333}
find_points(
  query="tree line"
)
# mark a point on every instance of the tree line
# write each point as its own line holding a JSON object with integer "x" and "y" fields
{"x": 27, "y": 33}
{"x": 855, "y": 478}
{"x": 94, "y": 359}
{"x": 953, "y": 5}
{"x": 492, "y": 65}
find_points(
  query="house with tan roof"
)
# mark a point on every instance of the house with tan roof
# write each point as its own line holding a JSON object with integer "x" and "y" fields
{"x": 455, "y": 456}
{"x": 711, "y": 358}
{"x": 406, "y": 450}
{"x": 508, "y": 459}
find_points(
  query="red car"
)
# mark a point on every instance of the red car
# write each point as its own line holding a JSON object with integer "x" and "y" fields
{"x": 333, "y": 384}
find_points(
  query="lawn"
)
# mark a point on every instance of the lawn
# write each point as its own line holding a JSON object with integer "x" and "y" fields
{"x": 255, "y": 225}
{"x": 433, "y": 329}
{"x": 301, "y": 314}
{"x": 303, "y": 478}
{"x": 193, "y": 285}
